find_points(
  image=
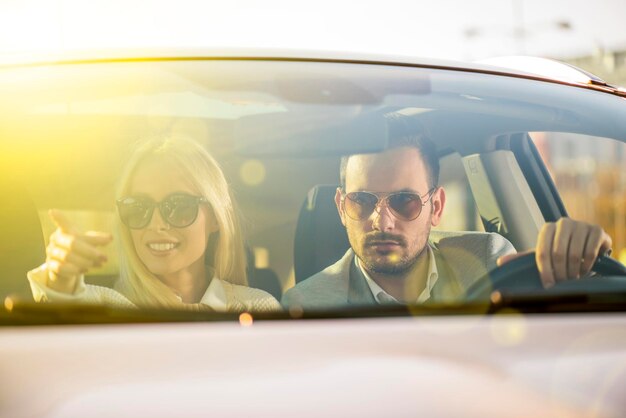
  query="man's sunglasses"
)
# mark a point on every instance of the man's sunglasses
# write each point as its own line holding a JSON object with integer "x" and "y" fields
{"x": 405, "y": 206}
{"x": 178, "y": 210}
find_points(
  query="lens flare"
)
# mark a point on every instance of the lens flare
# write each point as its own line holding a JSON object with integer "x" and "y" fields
{"x": 509, "y": 328}
{"x": 252, "y": 172}
{"x": 245, "y": 319}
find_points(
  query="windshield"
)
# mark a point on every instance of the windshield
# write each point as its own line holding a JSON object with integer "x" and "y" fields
{"x": 214, "y": 185}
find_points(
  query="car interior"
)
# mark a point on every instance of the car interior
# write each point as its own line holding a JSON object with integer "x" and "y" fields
{"x": 281, "y": 151}
{"x": 310, "y": 237}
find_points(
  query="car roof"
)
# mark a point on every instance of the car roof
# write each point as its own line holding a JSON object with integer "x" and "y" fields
{"x": 505, "y": 67}
{"x": 130, "y": 54}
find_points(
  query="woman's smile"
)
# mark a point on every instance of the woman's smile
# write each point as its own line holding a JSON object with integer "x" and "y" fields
{"x": 162, "y": 247}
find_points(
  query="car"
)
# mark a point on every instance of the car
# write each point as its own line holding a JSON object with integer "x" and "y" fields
{"x": 517, "y": 148}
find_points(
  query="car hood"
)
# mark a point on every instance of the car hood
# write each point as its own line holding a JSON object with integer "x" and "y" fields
{"x": 501, "y": 366}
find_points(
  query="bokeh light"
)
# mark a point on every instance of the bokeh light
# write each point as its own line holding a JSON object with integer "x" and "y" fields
{"x": 508, "y": 327}
{"x": 252, "y": 172}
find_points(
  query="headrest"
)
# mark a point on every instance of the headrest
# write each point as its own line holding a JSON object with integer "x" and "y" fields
{"x": 321, "y": 238}
{"x": 262, "y": 278}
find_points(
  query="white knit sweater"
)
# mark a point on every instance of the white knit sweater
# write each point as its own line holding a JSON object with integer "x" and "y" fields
{"x": 220, "y": 295}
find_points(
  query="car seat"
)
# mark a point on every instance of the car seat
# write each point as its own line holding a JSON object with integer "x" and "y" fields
{"x": 321, "y": 238}
{"x": 22, "y": 245}
{"x": 262, "y": 278}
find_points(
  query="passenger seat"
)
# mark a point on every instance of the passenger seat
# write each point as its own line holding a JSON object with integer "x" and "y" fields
{"x": 22, "y": 245}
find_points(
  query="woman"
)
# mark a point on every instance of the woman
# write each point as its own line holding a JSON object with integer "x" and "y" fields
{"x": 181, "y": 243}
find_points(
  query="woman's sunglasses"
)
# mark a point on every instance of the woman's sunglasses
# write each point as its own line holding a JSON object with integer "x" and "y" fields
{"x": 178, "y": 210}
{"x": 405, "y": 206}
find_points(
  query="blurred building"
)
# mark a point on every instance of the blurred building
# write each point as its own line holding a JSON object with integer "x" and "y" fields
{"x": 608, "y": 65}
{"x": 590, "y": 174}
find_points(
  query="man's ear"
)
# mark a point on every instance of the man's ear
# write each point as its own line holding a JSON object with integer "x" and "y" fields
{"x": 339, "y": 205}
{"x": 438, "y": 201}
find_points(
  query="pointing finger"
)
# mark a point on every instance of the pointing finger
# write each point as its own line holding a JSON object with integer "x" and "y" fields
{"x": 96, "y": 238}
{"x": 60, "y": 221}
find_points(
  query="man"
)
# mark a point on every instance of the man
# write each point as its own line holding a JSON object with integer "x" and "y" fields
{"x": 388, "y": 203}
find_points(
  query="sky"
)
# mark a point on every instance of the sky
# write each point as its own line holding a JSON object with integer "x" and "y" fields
{"x": 448, "y": 29}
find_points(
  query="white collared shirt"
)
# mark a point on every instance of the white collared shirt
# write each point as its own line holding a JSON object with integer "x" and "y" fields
{"x": 383, "y": 297}
{"x": 215, "y": 296}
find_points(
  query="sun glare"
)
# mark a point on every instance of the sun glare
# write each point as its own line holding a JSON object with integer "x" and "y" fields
{"x": 450, "y": 29}
{"x": 37, "y": 26}
{"x": 29, "y": 26}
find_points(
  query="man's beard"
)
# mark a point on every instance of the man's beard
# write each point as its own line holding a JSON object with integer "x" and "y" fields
{"x": 387, "y": 268}
{"x": 384, "y": 265}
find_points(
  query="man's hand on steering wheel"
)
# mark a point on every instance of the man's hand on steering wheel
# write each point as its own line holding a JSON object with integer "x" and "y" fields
{"x": 566, "y": 249}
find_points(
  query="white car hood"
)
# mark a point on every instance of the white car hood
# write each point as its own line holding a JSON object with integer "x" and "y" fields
{"x": 499, "y": 366}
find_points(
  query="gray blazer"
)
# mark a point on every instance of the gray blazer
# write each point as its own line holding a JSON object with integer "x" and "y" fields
{"x": 461, "y": 258}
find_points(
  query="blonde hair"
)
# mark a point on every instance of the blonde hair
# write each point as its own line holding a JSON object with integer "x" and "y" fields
{"x": 225, "y": 248}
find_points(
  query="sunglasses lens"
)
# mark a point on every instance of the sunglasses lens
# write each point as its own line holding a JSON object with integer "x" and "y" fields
{"x": 135, "y": 213}
{"x": 360, "y": 205}
{"x": 407, "y": 206}
{"x": 180, "y": 210}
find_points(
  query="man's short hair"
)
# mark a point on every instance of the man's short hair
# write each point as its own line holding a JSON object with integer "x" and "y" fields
{"x": 404, "y": 132}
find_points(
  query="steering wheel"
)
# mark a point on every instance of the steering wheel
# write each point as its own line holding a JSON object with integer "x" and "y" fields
{"x": 522, "y": 274}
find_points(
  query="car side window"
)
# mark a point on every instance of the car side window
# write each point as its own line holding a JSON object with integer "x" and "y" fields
{"x": 590, "y": 174}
